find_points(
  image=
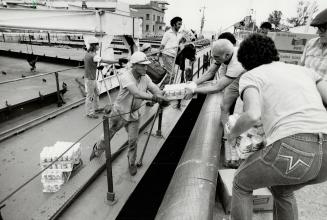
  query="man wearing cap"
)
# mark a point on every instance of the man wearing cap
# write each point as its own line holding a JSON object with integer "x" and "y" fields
{"x": 146, "y": 48}
{"x": 91, "y": 60}
{"x": 315, "y": 51}
{"x": 133, "y": 86}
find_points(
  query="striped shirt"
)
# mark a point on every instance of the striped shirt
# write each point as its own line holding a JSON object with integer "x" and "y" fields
{"x": 315, "y": 57}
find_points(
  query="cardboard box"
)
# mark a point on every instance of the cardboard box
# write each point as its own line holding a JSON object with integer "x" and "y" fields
{"x": 262, "y": 198}
{"x": 290, "y": 42}
{"x": 292, "y": 58}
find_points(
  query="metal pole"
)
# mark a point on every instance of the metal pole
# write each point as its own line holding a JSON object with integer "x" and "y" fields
{"x": 159, "y": 133}
{"x": 198, "y": 67}
{"x": 0, "y": 211}
{"x": 140, "y": 163}
{"x": 110, "y": 193}
{"x": 59, "y": 101}
{"x": 204, "y": 63}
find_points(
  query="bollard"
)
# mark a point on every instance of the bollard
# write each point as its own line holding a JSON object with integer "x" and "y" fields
{"x": 110, "y": 194}
{"x": 59, "y": 101}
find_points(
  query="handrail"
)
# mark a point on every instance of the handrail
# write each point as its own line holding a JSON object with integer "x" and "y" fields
{"x": 39, "y": 75}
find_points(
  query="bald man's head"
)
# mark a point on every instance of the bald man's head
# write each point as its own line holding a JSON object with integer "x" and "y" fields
{"x": 222, "y": 50}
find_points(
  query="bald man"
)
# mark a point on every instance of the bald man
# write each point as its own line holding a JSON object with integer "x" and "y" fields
{"x": 225, "y": 62}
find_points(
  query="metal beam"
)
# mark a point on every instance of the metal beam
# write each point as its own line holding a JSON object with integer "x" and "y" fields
{"x": 70, "y": 21}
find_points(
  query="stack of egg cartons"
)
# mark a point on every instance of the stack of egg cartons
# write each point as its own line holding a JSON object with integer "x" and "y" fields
{"x": 59, "y": 172}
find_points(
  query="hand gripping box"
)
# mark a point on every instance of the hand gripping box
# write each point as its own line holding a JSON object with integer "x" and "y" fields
{"x": 262, "y": 198}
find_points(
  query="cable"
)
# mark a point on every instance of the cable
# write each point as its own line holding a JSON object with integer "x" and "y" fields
{"x": 39, "y": 75}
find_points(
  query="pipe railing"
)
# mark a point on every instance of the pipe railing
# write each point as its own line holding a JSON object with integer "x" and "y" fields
{"x": 60, "y": 100}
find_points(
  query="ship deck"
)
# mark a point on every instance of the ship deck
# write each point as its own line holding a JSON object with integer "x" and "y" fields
{"x": 19, "y": 159}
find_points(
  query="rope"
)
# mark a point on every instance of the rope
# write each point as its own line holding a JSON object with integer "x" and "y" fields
{"x": 39, "y": 75}
{"x": 53, "y": 162}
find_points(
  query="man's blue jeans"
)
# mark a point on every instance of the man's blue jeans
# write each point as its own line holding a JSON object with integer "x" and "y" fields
{"x": 284, "y": 166}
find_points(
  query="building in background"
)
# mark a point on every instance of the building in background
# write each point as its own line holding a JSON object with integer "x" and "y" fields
{"x": 152, "y": 15}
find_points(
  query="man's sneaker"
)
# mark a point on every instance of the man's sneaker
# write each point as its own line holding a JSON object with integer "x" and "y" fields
{"x": 99, "y": 110}
{"x": 94, "y": 116}
{"x": 95, "y": 152}
{"x": 132, "y": 169}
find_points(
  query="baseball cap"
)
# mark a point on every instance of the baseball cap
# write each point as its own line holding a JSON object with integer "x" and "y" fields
{"x": 145, "y": 46}
{"x": 320, "y": 19}
{"x": 139, "y": 58}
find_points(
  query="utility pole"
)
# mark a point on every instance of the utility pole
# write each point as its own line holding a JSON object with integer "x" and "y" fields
{"x": 202, "y": 20}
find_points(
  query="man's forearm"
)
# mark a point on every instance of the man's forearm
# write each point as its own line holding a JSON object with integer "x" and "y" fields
{"x": 203, "y": 78}
{"x": 244, "y": 123}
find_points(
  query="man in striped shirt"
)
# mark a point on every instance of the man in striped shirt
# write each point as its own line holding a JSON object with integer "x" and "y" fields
{"x": 315, "y": 51}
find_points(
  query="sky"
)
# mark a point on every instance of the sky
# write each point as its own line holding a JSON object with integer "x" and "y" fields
{"x": 219, "y": 14}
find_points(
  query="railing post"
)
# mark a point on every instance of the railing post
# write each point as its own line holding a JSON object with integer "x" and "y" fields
{"x": 110, "y": 193}
{"x": 0, "y": 211}
{"x": 204, "y": 63}
{"x": 198, "y": 67}
{"x": 59, "y": 101}
{"x": 159, "y": 133}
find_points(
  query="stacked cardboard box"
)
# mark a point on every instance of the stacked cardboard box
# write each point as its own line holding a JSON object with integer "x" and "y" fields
{"x": 59, "y": 172}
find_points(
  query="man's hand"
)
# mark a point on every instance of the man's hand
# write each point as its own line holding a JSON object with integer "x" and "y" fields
{"x": 163, "y": 101}
{"x": 231, "y": 139}
{"x": 188, "y": 93}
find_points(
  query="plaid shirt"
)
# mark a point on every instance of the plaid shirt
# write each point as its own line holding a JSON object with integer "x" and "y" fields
{"x": 315, "y": 57}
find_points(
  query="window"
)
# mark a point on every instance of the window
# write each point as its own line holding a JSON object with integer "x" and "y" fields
{"x": 158, "y": 18}
{"x": 153, "y": 28}
{"x": 147, "y": 27}
{"x": 154, "y": 17}
{"x": 160, "y": 28}
{"x": 147, "y": 16}
{"x": 162, "y": 19}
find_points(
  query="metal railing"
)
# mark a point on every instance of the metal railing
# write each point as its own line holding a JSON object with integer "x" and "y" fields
{"x": 60, "y": 100}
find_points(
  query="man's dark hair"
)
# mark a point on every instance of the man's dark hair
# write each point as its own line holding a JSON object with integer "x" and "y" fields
{"x": 175, "y": 20}
{"x": 255, "y": 50}
{"x": 266, "y": 25}
{"x": 228, "y": 36}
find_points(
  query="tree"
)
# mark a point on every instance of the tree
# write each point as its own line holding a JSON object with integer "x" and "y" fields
{"x": 304, "y": 9}
{"x": 275, "y": 18}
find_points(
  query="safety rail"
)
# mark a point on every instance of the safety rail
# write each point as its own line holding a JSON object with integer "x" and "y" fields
{"x": 105, "y": 122}
{"x": 60, "y": 100}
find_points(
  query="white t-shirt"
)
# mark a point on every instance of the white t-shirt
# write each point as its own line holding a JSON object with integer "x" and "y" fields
{"x": 290, "y": 101}
{"x": 233, "y": 69}
{"x": 125, "y": 101}
{"x": 171, "y": 39}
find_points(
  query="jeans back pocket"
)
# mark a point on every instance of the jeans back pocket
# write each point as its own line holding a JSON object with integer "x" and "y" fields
{"x": 292, "y": 163}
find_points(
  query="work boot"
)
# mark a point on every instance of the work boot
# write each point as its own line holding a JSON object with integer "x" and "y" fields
{"x": 93, "y": 116}
{"x": 95, "y": 152}
{"x": 99, "y": 110}
{"x": 131, "y": 167}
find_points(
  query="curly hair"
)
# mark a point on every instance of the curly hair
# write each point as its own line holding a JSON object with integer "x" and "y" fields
{"x": 255, "y": 50}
